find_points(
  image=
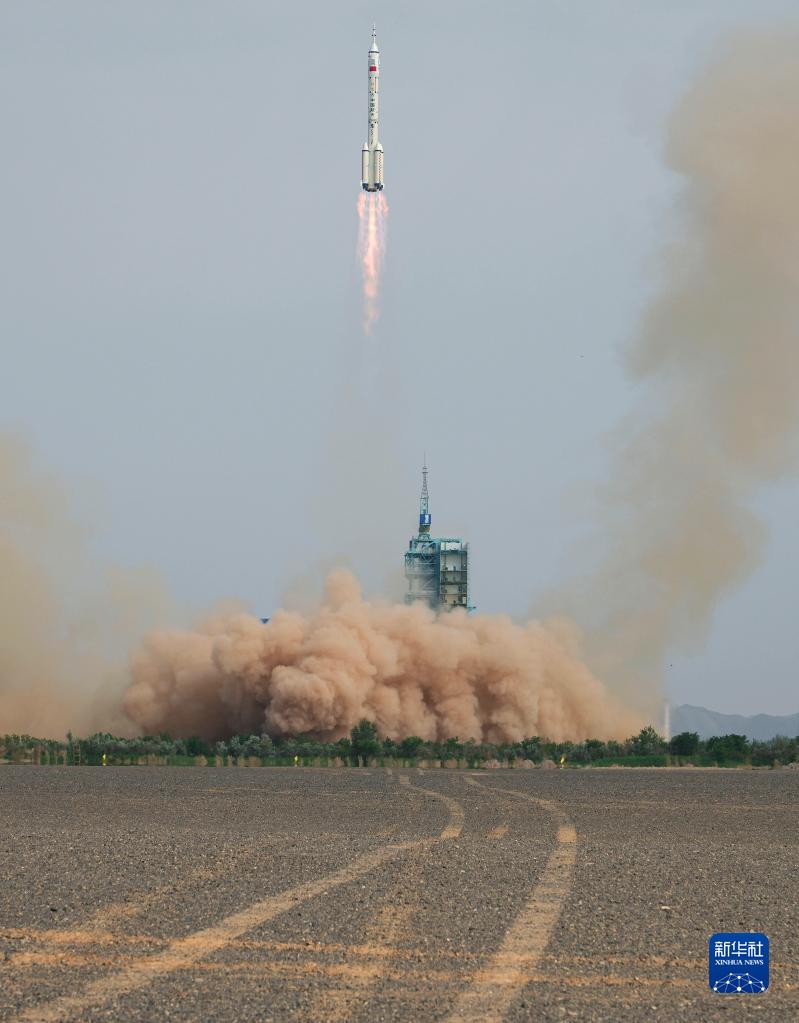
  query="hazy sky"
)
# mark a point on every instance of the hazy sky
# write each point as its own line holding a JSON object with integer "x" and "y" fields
{"x": 180, "y": 301}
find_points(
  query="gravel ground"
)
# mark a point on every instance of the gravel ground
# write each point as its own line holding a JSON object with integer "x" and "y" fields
{"x": 333, "y": 895}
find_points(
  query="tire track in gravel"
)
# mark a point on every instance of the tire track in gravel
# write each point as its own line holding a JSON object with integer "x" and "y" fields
{"x": 357, "y": 979}
{"x": 384, "y": 934}
{"x": 513, "y": 965}
{"x": 102, "y": 922}
{"x": 184, "y": 952}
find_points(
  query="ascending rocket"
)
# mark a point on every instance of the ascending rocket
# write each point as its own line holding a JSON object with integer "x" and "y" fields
{"x": 372, "y": 152}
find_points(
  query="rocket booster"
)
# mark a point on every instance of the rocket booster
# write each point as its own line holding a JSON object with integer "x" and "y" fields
{"x": 372, "y": 152}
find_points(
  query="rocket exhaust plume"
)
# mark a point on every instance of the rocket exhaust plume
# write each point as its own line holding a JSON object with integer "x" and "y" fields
{"x": 413, "y": 673}
{"x": 372, "y": 230}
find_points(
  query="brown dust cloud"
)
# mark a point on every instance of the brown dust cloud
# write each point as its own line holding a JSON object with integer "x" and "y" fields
{"x": 716, "y": 363}
{"x": 66, "y": 620}
{"x": 410, "y": 671}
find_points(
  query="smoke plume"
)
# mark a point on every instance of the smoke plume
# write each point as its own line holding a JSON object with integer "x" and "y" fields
{"x": 66, "y": 623}
{"x": 372, "y": 236}
{"x": 719, "y": 352}
{"x": 410, "y": 671}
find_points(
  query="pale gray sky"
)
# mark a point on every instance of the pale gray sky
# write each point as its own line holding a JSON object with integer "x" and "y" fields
{"x": 180, "y": 302}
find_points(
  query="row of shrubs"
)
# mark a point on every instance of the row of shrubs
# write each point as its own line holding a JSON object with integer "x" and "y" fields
{"x": 647, "y": 748}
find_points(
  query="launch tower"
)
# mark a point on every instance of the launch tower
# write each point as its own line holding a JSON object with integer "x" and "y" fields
{"x": 436, "y": 567}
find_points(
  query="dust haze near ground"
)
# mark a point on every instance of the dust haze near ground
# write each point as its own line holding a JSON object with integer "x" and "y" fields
{"x": 66, "y": 622}
{"x": 412, "y": 672}
{"x": 718, "y": 358}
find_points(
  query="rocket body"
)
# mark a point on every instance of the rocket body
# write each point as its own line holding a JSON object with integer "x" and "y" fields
{"x": 372, "y": 152}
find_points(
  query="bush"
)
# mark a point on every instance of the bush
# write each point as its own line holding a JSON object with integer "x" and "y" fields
{"x": 409, "y": 747}
{"x": 685, "y": 744}
{"x": 730, "y": 748}
{"x": 647, "y": 743}
{"x": 197, "y": 747}
{"x": 365, "y": 743}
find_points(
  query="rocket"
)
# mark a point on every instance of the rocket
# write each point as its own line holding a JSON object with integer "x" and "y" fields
{"x": 372, "y": 152}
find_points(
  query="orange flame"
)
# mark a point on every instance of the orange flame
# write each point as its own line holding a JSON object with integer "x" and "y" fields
{"x": 372, "y": 231}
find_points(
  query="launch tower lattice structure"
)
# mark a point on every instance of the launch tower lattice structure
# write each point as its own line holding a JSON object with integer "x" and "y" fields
{"x": 436, "y": 567}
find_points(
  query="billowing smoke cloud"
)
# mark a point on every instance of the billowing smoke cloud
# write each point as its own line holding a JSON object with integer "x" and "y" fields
{"x": 411, "y": 672}
{"x": 720, "y": 353}
{"x": 66, "y": 623}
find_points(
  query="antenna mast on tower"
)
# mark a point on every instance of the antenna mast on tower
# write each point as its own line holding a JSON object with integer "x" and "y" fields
{"x": 424, "y": 503}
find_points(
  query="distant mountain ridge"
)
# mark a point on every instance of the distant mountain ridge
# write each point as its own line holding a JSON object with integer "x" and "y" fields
{"x": 686, "y": 718}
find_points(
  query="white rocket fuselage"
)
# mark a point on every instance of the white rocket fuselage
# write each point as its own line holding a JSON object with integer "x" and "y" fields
{"x": 372, "y": 152}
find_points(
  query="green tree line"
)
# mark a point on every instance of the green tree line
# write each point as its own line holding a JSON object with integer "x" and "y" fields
{"x": 363, "y": 745}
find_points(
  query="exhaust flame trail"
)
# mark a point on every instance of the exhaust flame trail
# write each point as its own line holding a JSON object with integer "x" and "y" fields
{"x": 372, "y": 234}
